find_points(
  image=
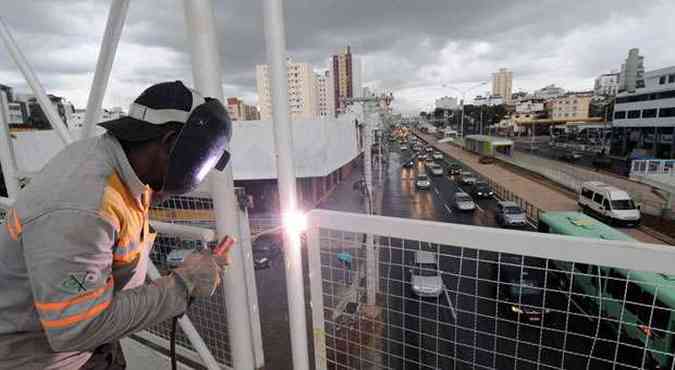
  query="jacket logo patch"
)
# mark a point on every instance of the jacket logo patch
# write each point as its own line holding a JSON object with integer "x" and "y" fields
{"x": 78, "y": 282}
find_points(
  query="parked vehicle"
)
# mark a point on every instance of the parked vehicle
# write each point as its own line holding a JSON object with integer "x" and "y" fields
{"x": 435, "y": 169}
{"x": 508, "y": 214}
{"x": 422, "y": 182}
{"x": 467, "y": 178}
{"x": 608, "y": 202}
{"x": 463, "y": 202}
{"x": 482, "y": 190}
{"x": 425, "y": 278}
{"x": 486, "y": 160}
{"x": 437, "y": 155}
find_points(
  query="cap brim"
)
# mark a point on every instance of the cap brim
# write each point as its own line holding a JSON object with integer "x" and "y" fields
{"x": 132, "y": 129}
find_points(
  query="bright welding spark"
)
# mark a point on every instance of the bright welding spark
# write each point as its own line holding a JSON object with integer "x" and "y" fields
{"x": 294, "y": 222}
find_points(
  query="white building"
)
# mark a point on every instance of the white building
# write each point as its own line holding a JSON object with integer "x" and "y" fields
{"x": 326, "y": 94}
{"x": 632, "y": 72}
{"x": 549, "y": 92}
{"x": 357, "y": 77}
{"x": 530, "y": 106}
{"x": 447, "y": 102}
{"x": 644, "y": 120}
{"x": 606, "y": 84}
{"x": 302, "y": 91}
{"x": 490, "y": 100}
{"x": 16, "y": 113}
{"x": 502, "y": 84}
{"x": 76, "y": 120}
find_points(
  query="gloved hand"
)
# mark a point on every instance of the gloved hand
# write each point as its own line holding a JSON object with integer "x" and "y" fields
{"x": 200, "y": 273}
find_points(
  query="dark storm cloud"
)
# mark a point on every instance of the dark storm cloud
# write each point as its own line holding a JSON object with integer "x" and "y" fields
{"x": 405, "y": 44}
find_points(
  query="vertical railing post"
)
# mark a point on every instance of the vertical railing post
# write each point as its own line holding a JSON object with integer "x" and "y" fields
{"x": 207, "y": 74}
{"x": 7, "y": 159}
{"x": 32, "y": 80}
{"x": 106, "y": 55}
{"x": 316, "y": 297}
{"x": 275, "y": 45}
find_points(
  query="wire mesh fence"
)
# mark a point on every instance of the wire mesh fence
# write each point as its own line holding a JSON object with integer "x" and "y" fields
{"x": 441, "y": 306}
{"x": 209, "y": 316}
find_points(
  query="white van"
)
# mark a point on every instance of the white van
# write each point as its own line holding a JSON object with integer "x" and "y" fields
{"x": 610, "y": 203}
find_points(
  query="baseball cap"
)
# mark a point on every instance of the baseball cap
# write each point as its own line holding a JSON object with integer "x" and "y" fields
{"x": 163, "y": 106}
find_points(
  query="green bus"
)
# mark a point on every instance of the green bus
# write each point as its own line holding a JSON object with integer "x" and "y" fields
{"x": 638, "y": 306}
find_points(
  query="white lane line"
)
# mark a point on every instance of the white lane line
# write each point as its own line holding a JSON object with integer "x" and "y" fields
{"x": 447, "y": 208}
{"x": 436, "y": 190}
{"x": 452, "y": 308}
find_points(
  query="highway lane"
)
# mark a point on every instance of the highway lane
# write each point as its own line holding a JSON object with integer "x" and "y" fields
{"x": 422, "y": 332}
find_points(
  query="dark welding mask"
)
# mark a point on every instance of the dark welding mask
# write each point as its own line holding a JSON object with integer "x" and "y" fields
{"x": 201, "y": 145}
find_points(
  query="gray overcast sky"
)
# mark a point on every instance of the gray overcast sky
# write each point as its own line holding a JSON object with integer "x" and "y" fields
{"x": 409, "y": 47}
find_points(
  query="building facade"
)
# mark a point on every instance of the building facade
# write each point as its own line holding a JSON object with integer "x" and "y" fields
{"x": 644, "y": 120}
{"x": 326, "y": 94}
{"x": 240, "y": 111}
{"x": 606, "y": 84}
{"x": 571, "y": 107}
{"x": 302, "y": 94}
{"x": 347, "y": 73}
{"x": 549, "y": 92}
{"x": 530, "y": 106}
{"x": 632, "y": 72}
{"x": 490, "y": 100}
{"x": 447, "y": 103}
{"x": 77, "y": 118}
{"x": 502, "y": 84}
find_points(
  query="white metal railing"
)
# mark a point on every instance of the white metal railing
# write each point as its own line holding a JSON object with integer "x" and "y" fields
{"x": 488, "y": 275}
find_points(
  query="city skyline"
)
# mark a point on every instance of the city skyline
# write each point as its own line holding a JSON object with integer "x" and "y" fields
{"x": 569, "y": 49}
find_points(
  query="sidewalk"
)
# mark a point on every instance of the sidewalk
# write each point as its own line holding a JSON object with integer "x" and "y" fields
{"x": 541, "y": 196}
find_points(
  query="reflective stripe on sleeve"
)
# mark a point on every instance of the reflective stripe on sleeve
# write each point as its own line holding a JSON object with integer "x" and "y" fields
{"x": 77, "y": 318}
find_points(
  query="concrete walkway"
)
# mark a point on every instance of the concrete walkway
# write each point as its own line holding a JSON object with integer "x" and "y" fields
{"x": 541, "y": 196}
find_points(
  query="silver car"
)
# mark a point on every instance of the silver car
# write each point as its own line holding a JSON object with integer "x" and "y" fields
{"x": 463, "y": 202}
{"x": 468, "y": 178}
{"x": 437, "y": 155}
{"x": 435, "y": 169}
{"x": 509, "y": 214}
{"x": 422, "y": 182}
{"x": 425, "y": 278}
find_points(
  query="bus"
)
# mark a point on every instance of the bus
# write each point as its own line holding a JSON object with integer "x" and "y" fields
{"x": 639, "y": 307}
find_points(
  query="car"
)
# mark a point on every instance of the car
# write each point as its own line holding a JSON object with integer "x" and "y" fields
{"x": 463, "y": 202}
{"x": 437, "y": 155}
{"x": 570, "y": 156}
{"x": 422, "y": 182}
{"x": 429, "y": 149}
{"x": 525, "y": 285}
{"x": 435, "y": 169}
{"x": 265, "y": 249}
{"x": 425, "y": 278}
{"x": 482, "y": 190}
{"x": 403, "y": 147}
{"x": 409, "y": 164}
{"x": 467, "y": 178}
{"x": 418, "y": 148}
{"x": 486, "y": 160}
{"x": 509, "y": 214}
{"x": 421, "y": 157}
{"x": 454, "y": 169}
{"x": 429, "y": 159}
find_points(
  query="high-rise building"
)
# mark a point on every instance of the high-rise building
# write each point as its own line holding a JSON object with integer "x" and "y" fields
{"x": 302, "y": 94}
{"x": 632, "y": 72}
{"x": 326, "y": 99}
{"x": 347, "y": 72}
{"x": 549, "y": 92}
{"x": 502, "y": 84}
{"x": 606, "y": 84}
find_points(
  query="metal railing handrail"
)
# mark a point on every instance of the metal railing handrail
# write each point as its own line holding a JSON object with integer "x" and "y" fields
{"x": 621, "y": 254}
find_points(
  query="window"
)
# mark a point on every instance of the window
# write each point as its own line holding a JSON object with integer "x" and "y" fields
{"x": 671, "y": 78}
{"x": 662, "y": 80}
{"x": 587, "y": 193}
{"x": 649, "y": 113}
{"x": 605, "y": 204}
{"x": 633, "y": 114}
{"x": 598, "y": 198}
{"x": 620, "y": 114}
{"x": 667, "y": 112}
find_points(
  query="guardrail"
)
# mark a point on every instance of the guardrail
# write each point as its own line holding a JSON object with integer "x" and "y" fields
{"x": 652, "y": 167}
{"x": 491, "y": 298}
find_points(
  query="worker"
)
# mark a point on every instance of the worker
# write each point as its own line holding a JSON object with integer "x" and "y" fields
{"x": 74, "y": 249}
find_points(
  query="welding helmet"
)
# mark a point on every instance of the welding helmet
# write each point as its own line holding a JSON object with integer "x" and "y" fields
{"x": 203, "y": 130}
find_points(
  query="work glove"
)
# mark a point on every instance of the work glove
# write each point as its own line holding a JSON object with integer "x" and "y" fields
{"x": 200, "y": 273}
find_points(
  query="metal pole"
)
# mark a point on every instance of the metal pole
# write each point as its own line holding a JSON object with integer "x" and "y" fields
{"x": 106, "y": 55}
{"x": 7, "y": 159}
{"x": 461, "y": 124}
{"x": 275, "y": 45}
{"x": 32, "y": 80}
{"x": 207, "y": 74}
{"x": 316, "y": 298}
{"x": 371, "y": 282}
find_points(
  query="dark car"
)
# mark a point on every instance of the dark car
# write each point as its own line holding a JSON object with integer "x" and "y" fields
{"x": 409, "y": 164}
{"x": 454, "y": 170}
{"x": 569, "y": 156}
{"x": 266, "y": 249}
{"x": 482, "y": 190}
{"x": 522, "y": 284}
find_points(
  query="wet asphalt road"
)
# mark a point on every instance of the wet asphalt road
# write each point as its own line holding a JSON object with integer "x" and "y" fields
{"x": 422, "y": 333}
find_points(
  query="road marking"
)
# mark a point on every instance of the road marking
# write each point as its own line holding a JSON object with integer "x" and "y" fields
{"x": 436, "y": 190}
{"x": 452, "y": 308}
{"x": 447, "y": 208}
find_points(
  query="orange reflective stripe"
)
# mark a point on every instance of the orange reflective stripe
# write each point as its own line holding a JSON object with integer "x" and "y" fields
{"x": 86, "y": 296}
{"x": 13, "y": 224}
{"x": 74, "y": 319}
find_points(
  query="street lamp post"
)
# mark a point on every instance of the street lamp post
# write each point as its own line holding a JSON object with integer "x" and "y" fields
{"x": 464, "y": 92}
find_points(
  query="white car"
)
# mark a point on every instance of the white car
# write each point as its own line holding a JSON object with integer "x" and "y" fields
{"x": 429, "y": 149}
{"x": 437, "y": 155}
{"x": 463, "y": 202}
{"x": 435, "y": 169}
{"x": 468, "y": 178}
{"x": 425, "y": 278}
{"x": 403, "y": 147}
{"x": 422, "y": 182}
